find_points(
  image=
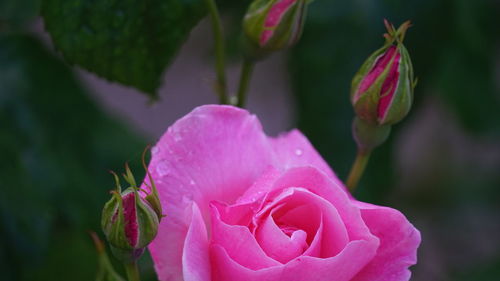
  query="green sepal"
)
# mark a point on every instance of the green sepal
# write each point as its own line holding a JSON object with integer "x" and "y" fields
{"x": 147, "y": 221}
{"x": 253, "y": 22}
{"x": 153, "y": 197}
{"x": 127, "y": 256}
{"x": 368, "y": 135}
{"x": 403, "y": 96}
{"x": 113, "y": 217}
{"x": 129, "y": 177}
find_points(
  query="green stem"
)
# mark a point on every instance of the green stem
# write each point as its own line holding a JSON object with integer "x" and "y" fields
{"x": 221, "y": 86}
{"x": 132, "y": 271}
{"x": 246, "y": 74}
{"x": 357, "y": 169}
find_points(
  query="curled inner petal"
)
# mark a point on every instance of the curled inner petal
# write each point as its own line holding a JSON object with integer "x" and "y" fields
{"x": 279, "y": 243}
{"x": 389, "y": 88}
{"x": 130, "y": 215}
{"x": 378, "y": 68}
{"x": 293, "y": 222}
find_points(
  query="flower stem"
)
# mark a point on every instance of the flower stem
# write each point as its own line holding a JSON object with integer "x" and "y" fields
{"x": 357, "y": 169}
{"x": 220, "y": 86}
{"x": 246, "y": 74}
{"x": 132, "y": 271}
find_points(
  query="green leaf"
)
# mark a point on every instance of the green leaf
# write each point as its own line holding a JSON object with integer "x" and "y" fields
{"x": 17, "y": 12}
{"x": 127, "y": 41}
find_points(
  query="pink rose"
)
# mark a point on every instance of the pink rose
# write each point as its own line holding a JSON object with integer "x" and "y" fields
{"x": 243, "y": 206}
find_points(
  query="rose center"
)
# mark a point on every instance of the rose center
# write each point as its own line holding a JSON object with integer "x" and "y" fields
{"x": 289, "y": 230}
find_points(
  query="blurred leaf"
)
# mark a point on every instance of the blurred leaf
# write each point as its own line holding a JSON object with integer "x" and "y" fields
{"x": 17, "y": 12}
{"x": 465, "y": 73}
{"x": 484, "y": 272}
{"x": 128, "y": 41}
{"x": 56, "y": 148}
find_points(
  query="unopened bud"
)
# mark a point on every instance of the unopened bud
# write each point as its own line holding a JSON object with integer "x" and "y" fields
{"x": 272, "y": 25}
{"x": 382, "y": 90}
{"x": 129, "y": 221}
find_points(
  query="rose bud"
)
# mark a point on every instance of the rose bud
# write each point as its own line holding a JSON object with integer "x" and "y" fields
{"x": 129, "y": 221}
{"x": 272, "y": 25}
{"x": 382, "y": 90}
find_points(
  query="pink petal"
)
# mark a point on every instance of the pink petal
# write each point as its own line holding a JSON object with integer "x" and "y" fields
{"x": 261, "y": 186}
{"x": 299, "y": 209}
{"x": 380, "y": 64}
{"x": 239, "y": 243}
{"x": 319, "y": 183}
{"x": 130, "y": 216}
{"x": 339, "y": 268}
{"x": 214, "y": 152}
{"x": 277, "y": 244}
{"x": 292, "y": 150}
{"x": 195, "y": 258}
{"x": 314, "y": 249}
{"x": 399, "y": 241}
{"x": 389, "y": 88}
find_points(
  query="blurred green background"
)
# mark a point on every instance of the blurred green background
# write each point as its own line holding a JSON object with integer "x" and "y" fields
{"x": 441, "y": 166}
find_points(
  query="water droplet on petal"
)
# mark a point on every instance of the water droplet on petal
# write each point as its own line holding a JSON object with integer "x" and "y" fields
{"x": 192, "y": 182}
{"x": 162, "y": 169}
{"x": 298, "y": 152}
{"x": 177, "y": 137}
{"x": 188, "y": 198}
{"x": 155, "y": 150}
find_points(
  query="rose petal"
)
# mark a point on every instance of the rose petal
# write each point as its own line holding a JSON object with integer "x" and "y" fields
{"x": 301, "y": 209}
{"x": 239, "y": 243}
{"x": 195, "y": 258}
{"x": 314, "y": 249}
{"x": 317, "y": 182}
{"x": 277, "y": 244}
{"x": 339, "y": 268}
{"x": 399, "y": 241}
{"x": 292, "y": 150}
{"x": 261, "y": 187}
{"x": 214, "y": 152}
{"x": 380, "y": 64}
{"x": 389, "y": 88}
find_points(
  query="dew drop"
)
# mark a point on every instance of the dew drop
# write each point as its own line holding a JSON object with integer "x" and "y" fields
{"x": 298, "y": 152}
{"x": 177, "y": 137}
{"x": 162, "y": 169}
{"x": 186, "y": 199}
{"x": 155, "y": 150}
{"x": 192, "y": 182}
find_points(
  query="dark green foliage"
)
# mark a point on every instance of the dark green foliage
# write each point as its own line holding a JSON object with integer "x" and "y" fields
{"x": 56, "y": 148}
{"x": 127, "y": 41}
{"x": 17, "y": 12}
